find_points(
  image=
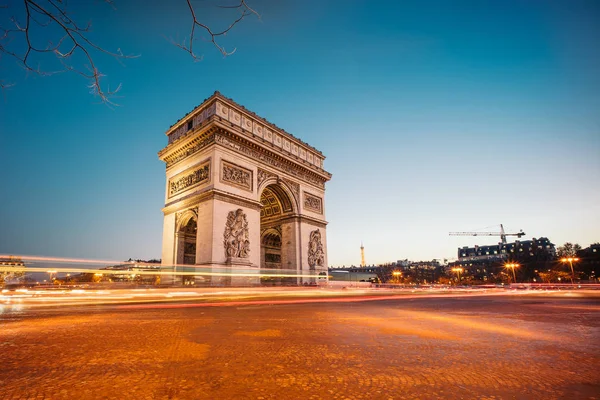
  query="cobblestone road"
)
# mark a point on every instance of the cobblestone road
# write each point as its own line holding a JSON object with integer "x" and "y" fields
{"x": 452, "y": 348}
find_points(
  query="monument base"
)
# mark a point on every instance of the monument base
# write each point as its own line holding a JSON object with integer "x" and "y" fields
{"x": 235, "y": 272}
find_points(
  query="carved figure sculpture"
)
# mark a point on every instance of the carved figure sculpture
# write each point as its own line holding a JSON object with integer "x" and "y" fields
{"x": 316, "y": 255}
{"x": 236, "y": 235}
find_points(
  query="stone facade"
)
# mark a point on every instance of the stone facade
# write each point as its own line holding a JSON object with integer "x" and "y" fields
{"x": 255, "y": 192}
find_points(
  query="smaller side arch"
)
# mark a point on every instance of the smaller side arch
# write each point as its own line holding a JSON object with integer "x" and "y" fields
{"x": 183, "y": 218}
{"x": 186, "y": 234}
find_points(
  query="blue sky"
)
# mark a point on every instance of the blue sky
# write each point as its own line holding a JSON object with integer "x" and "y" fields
{"x": 434, "y": 116}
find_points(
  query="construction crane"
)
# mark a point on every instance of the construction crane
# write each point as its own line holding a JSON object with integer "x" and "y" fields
{"x": 502, "y": 234}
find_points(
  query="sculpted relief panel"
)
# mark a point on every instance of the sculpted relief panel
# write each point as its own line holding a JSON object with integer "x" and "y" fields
{"x": 236, "y": 236}
{"x": 295, "y": 187}
{"x": 190, "y": 178}
{"x": 313, "y": 203}
{"x": 316, "y": 255}
{"x": 264, "y": 175}
{"x": 236, "y": 175}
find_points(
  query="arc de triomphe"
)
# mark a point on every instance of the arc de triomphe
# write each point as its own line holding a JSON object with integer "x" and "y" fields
{"x": 243, "y": 197}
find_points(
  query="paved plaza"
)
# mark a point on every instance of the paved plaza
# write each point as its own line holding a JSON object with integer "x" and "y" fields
{"x": 489, "y": 347}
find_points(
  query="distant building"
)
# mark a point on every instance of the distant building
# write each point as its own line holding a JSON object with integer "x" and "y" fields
{"x": 411, "y": 271}
{"x": 147, "y": 273}
{"x": 589, "y": 263}
{"x": 11, "y": 270}
{"x": 486, "y": 263}
{"x": 354, "y": 274}
{"x": 11, "y": 261}
{"x": 503, "y": 251}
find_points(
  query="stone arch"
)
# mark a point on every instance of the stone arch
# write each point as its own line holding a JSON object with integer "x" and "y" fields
{"x": 186, "y": 233}
{"x": 279, "y": 239}
{"x": 222, "y": 158}
{"x": 284, "y": 190}
{"x": 270, "y": 241}
{"x": 184, "y": 217}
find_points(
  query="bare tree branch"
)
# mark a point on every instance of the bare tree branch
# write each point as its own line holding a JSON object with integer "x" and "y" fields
{"x": 51, "y": 15}
{"x": 188, "y": 45}
{"x": 68, "y": 42}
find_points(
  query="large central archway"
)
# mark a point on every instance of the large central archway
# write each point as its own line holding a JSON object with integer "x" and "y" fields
{"x": 277, "y": 244}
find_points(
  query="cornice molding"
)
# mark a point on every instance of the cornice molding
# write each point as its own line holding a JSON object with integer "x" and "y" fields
{"x": 210, "y": 194}
{"x": 192, "y": 144}
{"x": 304, "y": 218}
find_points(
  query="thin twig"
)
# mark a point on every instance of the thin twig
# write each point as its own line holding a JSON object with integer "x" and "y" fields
{"x": 188, "y": 45}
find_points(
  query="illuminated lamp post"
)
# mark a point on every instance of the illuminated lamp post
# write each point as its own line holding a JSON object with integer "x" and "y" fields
{"x": 513, "y": 266}
{"x": 458, "y": 271}
{"x": 50, "y": 273}
{"x": 570, "y": 261}
{"x": 397, "y": 275}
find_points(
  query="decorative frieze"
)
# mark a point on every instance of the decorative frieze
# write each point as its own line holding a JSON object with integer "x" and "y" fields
{"x": 236, "y": 235}
{"x": 313, "y": 203}
{"x": 264, "y": 175}
{"x": 200, "y": 143}
{"x": 189, "y": 178}
{"x": 268, "y": 135}
{"x": 236, "y": 176}
{"x": 316, "y": 255}
{"x": 193, "y": 147}
{"x": 272, "y": 161}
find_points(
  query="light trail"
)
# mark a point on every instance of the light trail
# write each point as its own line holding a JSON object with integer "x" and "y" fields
{"x": 131, "y": 269}
{"x": 136, "y": 272}
{"x": 63, "y": 259}
{"x": 207, "y": 297}
{"x": 67, "y": 260}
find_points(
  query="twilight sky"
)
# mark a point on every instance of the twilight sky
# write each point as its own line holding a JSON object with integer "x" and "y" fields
{"x": 434, "y": 116}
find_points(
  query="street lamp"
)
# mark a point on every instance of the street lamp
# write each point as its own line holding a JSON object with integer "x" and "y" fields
{"x": 458, "y": 271}
{"x": 512, "y": 266}
{"x": 570, "y": 261}
{"x": 50, "y": 273}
